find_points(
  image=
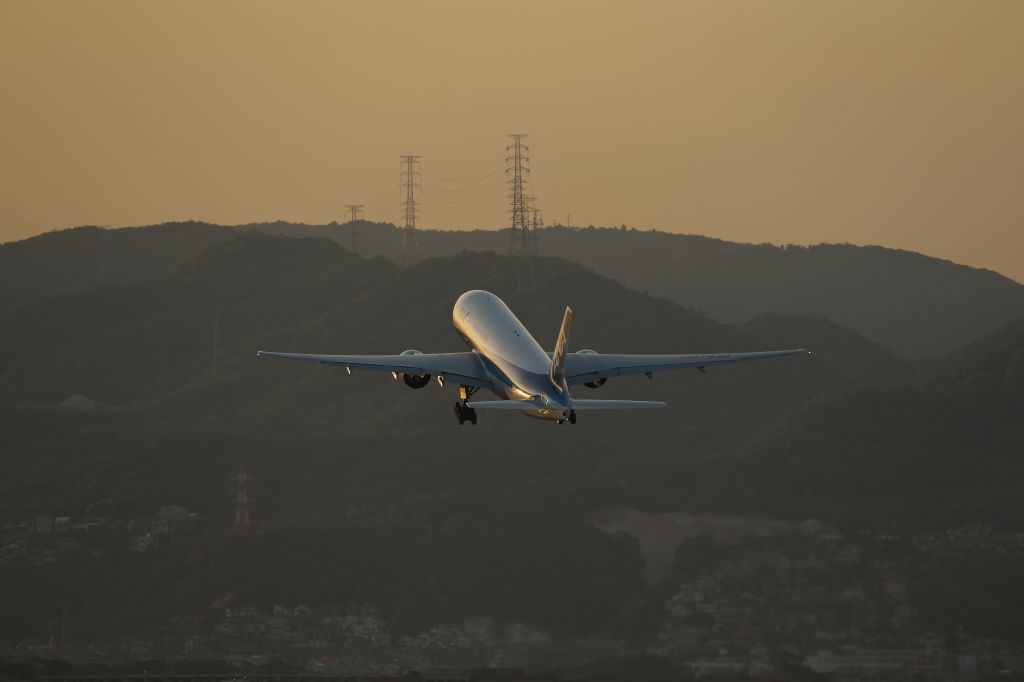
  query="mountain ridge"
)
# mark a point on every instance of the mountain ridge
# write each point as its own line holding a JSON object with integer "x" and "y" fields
{"x": 916, "y": 304}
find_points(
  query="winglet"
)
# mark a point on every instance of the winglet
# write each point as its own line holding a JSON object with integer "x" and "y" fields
{"x": 558, "y": 357}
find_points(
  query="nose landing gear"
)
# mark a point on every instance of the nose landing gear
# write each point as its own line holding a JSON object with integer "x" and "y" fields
{"x": 571, "y": 419}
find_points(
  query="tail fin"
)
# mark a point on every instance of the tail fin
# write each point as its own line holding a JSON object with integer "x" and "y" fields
{"x": 558, "y": 357}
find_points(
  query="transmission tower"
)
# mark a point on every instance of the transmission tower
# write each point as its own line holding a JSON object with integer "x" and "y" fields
{"x": 536, "y": 225}
{"x": 517, "y": 162}
{"x": 354, "y": 211}
{"x": 242, "y": 518}
{"x": 410, "y": 175}
{"x": 216, "y": 343}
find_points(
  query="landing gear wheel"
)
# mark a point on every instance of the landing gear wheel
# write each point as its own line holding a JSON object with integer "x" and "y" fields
{"x": 465, "y": 413}
{"x": 572, "y": 416}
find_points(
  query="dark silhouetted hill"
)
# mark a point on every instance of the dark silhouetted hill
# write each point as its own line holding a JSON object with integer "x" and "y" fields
{"x": 366, "y": 491}
{"x": 85, "y": 257}
{"x": 917, "y": 459}
{"x": 917, "y": 305}
{"x": 992, "y": 365}
{"x": 912, "y": 303}
{"x": 848, "y": 353}
{"x": 943, "y": 452}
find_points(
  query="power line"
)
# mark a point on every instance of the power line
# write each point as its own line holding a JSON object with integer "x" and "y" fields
{"x": 464, "y": 202}
{"x": 468, "y": 189}
{"x": 484, "y": 194}
{"x": 384, "y": 196}
{"x": 486, "y": 170}
{"x": 24, "y": 226}
{"x": 17, "y": 230}
{"x": 25, "y": 216}
{"x": 389, "y": 214}
{"x": 381, "y": 207}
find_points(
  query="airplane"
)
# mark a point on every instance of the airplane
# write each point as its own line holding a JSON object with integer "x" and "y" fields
{"x": 504, "y": 358}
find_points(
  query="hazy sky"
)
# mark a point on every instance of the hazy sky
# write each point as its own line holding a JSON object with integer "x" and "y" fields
{"x": 896, "y": 123}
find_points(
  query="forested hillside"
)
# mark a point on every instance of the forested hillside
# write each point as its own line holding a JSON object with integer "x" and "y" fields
{"x": 914, "y": 304}
{"x": 86, "y": 257}
{"x": 365, "y": 490}
{"x": 926, "y": 456}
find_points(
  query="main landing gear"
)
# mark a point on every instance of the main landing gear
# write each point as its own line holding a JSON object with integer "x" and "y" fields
{"x": 572, "y": 418}
{"x": 463, "y": 412}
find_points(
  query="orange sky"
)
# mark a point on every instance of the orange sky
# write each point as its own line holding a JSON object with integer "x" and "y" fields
{"x": 894, "y": 123}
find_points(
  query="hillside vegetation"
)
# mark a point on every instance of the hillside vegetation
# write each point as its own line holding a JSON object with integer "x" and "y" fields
{"x": 916, "y": 305}
{"x": 366, "y": 491}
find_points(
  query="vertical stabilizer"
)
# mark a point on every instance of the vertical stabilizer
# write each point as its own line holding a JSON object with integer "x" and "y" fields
{"x": 558, "y": 357}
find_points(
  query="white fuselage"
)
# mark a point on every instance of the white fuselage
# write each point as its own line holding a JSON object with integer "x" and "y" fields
{"x": 518, "y": 367}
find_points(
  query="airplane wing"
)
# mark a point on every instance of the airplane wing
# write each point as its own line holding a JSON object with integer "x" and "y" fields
{"x": 464, "y": 368}
{"x": 587, "y": 367}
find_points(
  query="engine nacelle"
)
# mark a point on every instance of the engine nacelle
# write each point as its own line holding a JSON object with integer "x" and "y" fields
{"x": 592, "y": 384}
{"x": 414, "y": 380}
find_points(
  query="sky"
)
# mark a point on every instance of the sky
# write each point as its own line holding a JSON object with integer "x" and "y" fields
{"x": 892, "y": 123}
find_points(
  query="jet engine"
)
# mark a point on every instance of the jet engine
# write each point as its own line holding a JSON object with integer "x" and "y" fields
{"x": 592, "y": 384}
{"x": 414, "y": 380}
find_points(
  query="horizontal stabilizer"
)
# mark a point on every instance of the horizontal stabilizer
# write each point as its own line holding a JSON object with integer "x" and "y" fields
{"x": 578, "y": 405}
{"x": 581, "y": 405}
{"x": 505, "y": 405}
